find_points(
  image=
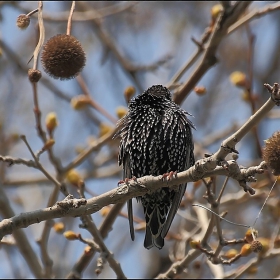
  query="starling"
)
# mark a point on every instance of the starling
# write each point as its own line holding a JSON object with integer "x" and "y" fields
{"x": 156, "y": 139}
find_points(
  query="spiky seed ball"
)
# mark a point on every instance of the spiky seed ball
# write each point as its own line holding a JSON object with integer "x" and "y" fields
{"x": 265, "y": 244}
{"x": 256, "y": 246}
{"x": 63, "y": 57}
{"x": 34, "y": 75}
{"x": 23, "y": 21}
{"x": 271, "y": 153}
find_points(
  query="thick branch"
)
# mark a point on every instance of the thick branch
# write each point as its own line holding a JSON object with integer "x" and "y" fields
{"x": 71, "y": 207}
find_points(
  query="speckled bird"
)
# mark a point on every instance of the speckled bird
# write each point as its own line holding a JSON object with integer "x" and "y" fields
{"x": 156, "y": 139}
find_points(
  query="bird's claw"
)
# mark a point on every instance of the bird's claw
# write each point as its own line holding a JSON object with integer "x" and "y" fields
{"x": 126, "y": 180}
{"x": 169, "y": 176}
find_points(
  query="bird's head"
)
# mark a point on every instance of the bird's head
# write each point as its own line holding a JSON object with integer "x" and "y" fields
{"x": 158, "y": 91}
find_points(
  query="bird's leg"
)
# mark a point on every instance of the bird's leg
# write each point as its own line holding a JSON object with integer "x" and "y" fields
{"x": 126, "y": 180}
{"x": 169, "y": 176}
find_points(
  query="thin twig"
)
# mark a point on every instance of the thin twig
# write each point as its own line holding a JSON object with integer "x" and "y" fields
{"x": 264, "y": 203}
{"x": 222, "y": 190}
{"x": 69, "y": 24}
{"x": 87, "y": 15}
{"x": 32, "y": 12}
{"x": 41, "y": 37}
{"x": 220, "y": 217}
{"x": 99, "y": 240}
{"x": 22, "y": 242}
{"x": 104, "y": 229}
{"x": 95, "y": 105}
{"x": 50, "y": 177}
{"x": 93, "y": 147}
{"x": 253, "y": 15}
{"x": 208, "y": 60}
{"x": 43, "y": 244}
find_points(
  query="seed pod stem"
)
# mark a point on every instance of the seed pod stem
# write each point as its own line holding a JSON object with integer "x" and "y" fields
{"x": 69, "y": 24}
{"x": 41, "y": 37}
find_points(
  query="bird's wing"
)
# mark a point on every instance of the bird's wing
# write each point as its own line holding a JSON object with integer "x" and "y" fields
{"x": 175, "y": 205}
{"x": 177, "y": 198}
{"x": 127, "y": 174}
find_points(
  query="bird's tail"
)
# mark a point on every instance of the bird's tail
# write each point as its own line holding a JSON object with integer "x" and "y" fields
{"x": 151, "y": 240}
{"x": 160, "y": 209}
{"x": 155, "y": 220}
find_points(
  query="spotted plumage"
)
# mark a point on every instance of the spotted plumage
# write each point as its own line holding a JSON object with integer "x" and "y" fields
{"x": 156, "y": 138}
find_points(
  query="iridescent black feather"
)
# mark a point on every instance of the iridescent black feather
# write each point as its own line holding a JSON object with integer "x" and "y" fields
{"x": 156, "y": 138}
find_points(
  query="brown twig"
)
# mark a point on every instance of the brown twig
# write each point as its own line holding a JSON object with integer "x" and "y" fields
{"x": 87, "y": 15}
{"x": 107, "y": 40}
{"x": 40, "y": 167}
{"x": 90, "y": 226}
{"x": 22, "y": 242}
{"x": 93, "y": 147}
{"x": 256, "y": 13}
{"x": 43, "y": 244}
{"x": 32, "y": 12}
{"x": 224, "y": 21}
{"x": 96, "y": 106}
{"x": 85, "y": 259}
{"x": 251, "y": 39}
{"x": 236, "y": 273}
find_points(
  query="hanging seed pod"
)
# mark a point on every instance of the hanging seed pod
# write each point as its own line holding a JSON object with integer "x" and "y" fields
{"x": 23, "y": 21}
{"x": 63, "y": 57}
{"x": 271, "y": 153}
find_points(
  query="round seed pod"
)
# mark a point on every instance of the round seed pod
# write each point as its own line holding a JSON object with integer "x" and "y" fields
{"x": 256, "y": 246}
{"x": 271, "y": 153}
{"x": 63, "y": 57}
{"x": 23, "y": 21}
{"x": 34, "y": 75}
